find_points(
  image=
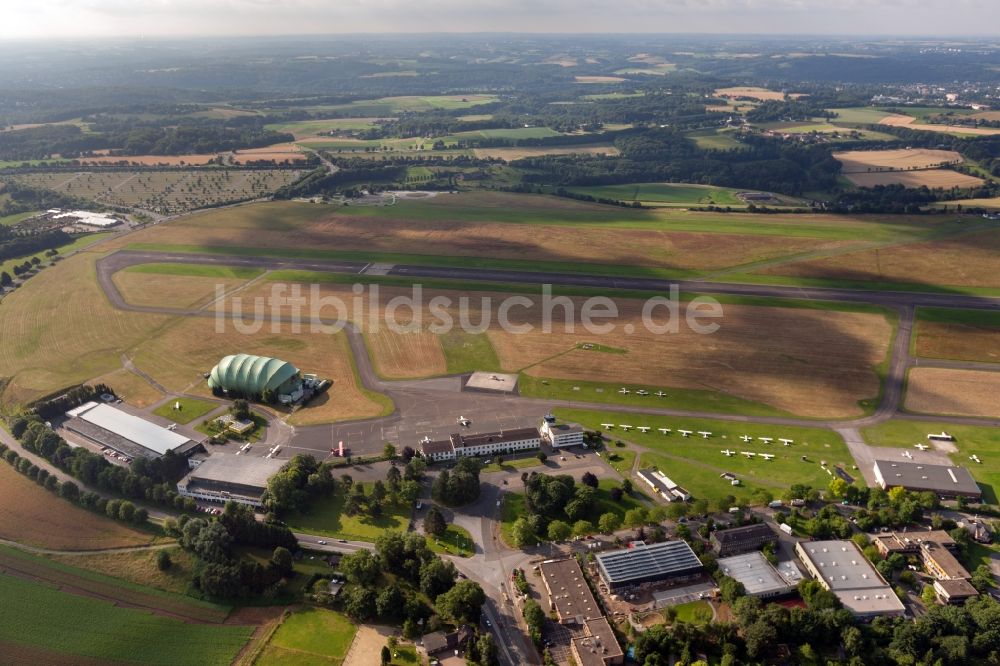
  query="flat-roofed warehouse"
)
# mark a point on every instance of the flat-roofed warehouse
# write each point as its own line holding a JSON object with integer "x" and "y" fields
{"x": 840, "y": 567}
{"x": 947, "y": 480}
{"x": 759, "y": 577}
{"x": 569, "y": 595}
{"x": 652, "y": 563}
{"x": 130, "y": 435}
{"x": 222, "y": 477}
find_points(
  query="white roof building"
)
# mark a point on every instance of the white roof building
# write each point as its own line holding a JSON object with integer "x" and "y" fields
{"x": 124, "y": 432}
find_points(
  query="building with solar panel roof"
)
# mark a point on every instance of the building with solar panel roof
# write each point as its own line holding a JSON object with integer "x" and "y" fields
{"x": 641, "y": 563}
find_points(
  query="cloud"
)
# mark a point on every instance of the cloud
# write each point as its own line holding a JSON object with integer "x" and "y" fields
{"x": 77, "y": 18}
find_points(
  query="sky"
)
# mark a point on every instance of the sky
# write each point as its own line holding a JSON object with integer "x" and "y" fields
{"x": 32, "y": 19}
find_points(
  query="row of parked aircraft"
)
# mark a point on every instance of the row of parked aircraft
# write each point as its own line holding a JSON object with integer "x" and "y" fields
{"x": 625, "y": 391}
{"x": 705, "y": 434}
{"x": 748, "y": 454}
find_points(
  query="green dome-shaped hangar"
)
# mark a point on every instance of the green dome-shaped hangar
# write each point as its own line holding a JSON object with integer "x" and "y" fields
{"x": 253, "y": 375}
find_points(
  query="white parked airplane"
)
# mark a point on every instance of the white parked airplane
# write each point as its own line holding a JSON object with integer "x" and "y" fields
{"x": 624, "y": 391}
{"x": 748, "y": 454}
{"x": 464, "y": 421}
{"x": 624, "y": 426}
{"x": 784, "y": 441}
{"x": 685, "y": 433}
{"x": 607, "y": 426}
{"x": 767, "y": 456}
{"x": 643, "y": 428}
{"x": 766, "y": 440}
{"x": 974, "y": 458}
{"x": 727, "y": 452}
{"x": 907, "y": 454}
{"x": 664, "y": 430}
{"x": 746, "y": 438}
{"x": 704, "y": 434}
{"x": 660, "y": 394}
{"x": 642, "y": 392}
{"x": 922, "y": 447}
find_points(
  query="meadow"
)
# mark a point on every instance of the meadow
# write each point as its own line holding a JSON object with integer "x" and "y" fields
{"x": 327, "y": 517}
{"x": 80, "y": 242}
{"x": 665, "y": 194}
{"x": 190, "y": 409}
{"x": 696, "y": 464}
{"x": 35, "y": 617}
{"x": 309, "y": 635}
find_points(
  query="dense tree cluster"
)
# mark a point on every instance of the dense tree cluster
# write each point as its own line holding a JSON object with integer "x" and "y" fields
{"x": 459, "y": 485}
{"x": 297, "y": 484}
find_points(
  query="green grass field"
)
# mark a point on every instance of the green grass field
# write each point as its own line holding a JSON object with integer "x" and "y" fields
{"x": 190, "y": 410}
{"x": 859, "y": 116}
{"x": 78, "y": 244}
{"x": 322, "y": 126}
{"x": 308, "y": 636}
{"x": 467, "y": 352}
{"x": 39, "y": 616}
{"x": 455, "y": 541}
{"x": 695, "y": 399}
{"x": 664, "y": 194}
{"x": 193, "y": 270}
{"x": 11, "y": 220}
{"x": 715, "y": 139}
{"x": 512, "y": 133}
{"x": 983, "y": 318}
{"x": 694, "y": 612}
{"x": 327, "y": 518}
{"x": 983, "y": 442}
{"x": 695, "y": 463}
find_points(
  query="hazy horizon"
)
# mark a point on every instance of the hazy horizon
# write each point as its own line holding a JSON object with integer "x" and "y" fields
{"x": 82, "y": 19}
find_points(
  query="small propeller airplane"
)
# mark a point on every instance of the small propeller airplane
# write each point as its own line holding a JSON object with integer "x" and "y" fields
{"x": 748, "y": 454}
{"x": 727, "y": 452}
{"x": 643, "y": 428}
{"x": 922, "y": 447}
{"x": 766, "y": 440}
{"x": 624, "y": 391}
{"x": 746, "y": 439}
{"x": 660, "y": 394}
{"x": 785, "y": 441}
{"x": 664, "y": 430}
{"x": 685, "y": 433}
{"x": 624, "y": 426}
{"x": 607, "y": 426}
{"x": 705, "y": 434}
{"x": 767, "y": 456}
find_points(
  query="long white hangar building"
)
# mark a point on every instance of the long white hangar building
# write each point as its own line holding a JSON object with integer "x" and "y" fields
{"x": 127, "y": 434}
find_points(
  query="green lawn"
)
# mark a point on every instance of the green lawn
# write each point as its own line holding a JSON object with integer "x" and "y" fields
{"x": 696, "y": 399}
{"x": 859, "y": 116}
{"x": 310, "y": 635}
{"x": 195, "y": 270}
{"x": 983, "y": 318}
{"x": 971, "y": 440}
{"x": 514, "y": 133}
{"x": 512, "y": 463}
{"x": 39, "y": 616}
{"x": 468, "y": 352}
{"x": 190, "y": 409}
{"x": 715, "y": 140}
{"x": 455, "y": 541}
{"x": 694, "y": 612}
{"x": 327, "y": 518}
{"x": 664, "y": 194}
{"x": 621, "y": 458}
{"x": 79, "y": 243}
{"x": 695, "y": 463}
{"x": 11, "y": 220}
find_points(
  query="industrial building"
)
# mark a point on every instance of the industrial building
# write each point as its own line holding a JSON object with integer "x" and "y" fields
{"x": 946, "y": 480}
{"x": 840, "y": 567}
{"x": 222, "y": 478}
{"x": 662, "y": 485}
{"x": 481, "y": 444}
{"x": 569, "y": 595}
{"x": 559, "y": 435}
{"x": 908, "y": 543}
{"x": 742, "y": 539}
{"x": 641, "y": 563}
{"x": 759, "y": 577}
{"x": 252, "y": 376}
{"x": 598, "y": 646}
{"x": 128, "y": 435}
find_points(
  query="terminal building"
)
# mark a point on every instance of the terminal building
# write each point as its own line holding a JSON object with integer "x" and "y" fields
{"x": 482, "y": 444}
{"x": 559, "y": 435}
{"x": 222, "y": 478}
{"x": 759, "y": 577}
{"x": 127, "y": 435}
{"x": 840, "y": 567}
{"x": 945, "y": 480}
{"x": 642, "y": 564}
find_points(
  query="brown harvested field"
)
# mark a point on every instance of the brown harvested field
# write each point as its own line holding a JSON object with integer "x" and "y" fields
{"x": 344, "y": 230}
{"x": 985, "y": 115}
{"x": 406, "y": 355}
{"x": 131, "y": 388}
{"x": 150, "y": 160}
{"x": 171, "y": 291}
{"x": 808, "y": 362}
{"x": 598, "y": 79}
{"x": 991, "y": 204}
{"x": 762, "y": 94}
{"x": 969, "y": 260}
{"x": 280, "y": 152}
{"x": 911, "y": 123}
{"x": 864, "y": 161}
{"x": 520, "y": 153}
{"x": 180, "y": 354}
{"x": 953, "y": 392}
{"x": 932, "y": 178}
{"x": 37, "y": 517}
{"x": 958, "y": 341}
